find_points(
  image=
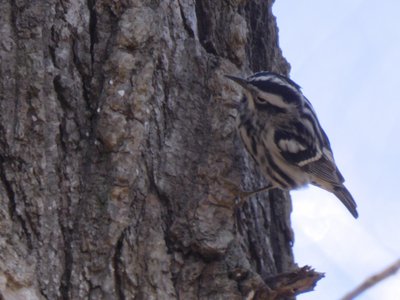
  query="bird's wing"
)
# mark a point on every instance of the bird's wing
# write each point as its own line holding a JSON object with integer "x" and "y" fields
{"x": 298, "y": 146}
{"x": 324, "y": 169}
{"x": 296, "y": 143}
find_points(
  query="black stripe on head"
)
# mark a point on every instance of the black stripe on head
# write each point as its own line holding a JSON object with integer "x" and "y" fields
{"x": 287, "y": 93}
{"x": 277, "y": 84}
{"x": 274, "y": 75}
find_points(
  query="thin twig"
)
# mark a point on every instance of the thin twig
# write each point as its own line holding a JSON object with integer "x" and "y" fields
{"x": 373, "y": 280}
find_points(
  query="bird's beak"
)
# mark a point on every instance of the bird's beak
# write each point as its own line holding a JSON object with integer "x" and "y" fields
{"x": 241, "y": 81}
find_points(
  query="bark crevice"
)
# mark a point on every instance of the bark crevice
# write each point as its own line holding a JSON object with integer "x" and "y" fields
{"x": 117, "y": 270}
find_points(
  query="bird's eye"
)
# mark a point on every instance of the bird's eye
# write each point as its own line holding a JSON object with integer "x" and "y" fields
{"x": 261, "y": 100}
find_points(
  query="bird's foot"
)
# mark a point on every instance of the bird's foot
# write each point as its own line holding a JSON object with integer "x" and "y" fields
{"x": 237, "y": 196}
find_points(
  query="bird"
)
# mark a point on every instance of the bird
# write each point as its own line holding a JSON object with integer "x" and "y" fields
{"x": 280, "y": 130}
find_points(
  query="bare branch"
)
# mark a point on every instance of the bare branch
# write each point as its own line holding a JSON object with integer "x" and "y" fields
{"x": 373, "y": 280}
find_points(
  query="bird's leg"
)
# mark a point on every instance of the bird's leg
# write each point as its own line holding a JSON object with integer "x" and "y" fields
{"x": 243, "y": 195}
{"x": 239, "y": 194}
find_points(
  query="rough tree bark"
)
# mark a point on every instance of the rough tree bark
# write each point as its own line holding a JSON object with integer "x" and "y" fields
{"x": 113, "y": 140}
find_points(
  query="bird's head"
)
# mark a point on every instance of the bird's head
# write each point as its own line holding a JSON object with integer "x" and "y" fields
{"x": 269, "y": 91}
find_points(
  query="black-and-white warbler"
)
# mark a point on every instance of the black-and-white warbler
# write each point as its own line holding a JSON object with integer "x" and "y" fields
{"x": 280, "y": 130}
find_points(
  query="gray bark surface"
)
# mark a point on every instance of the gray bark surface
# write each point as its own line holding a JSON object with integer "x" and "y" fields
{"x": 113, "y": 137}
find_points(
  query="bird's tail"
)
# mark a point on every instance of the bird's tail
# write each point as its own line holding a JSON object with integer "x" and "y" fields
{"x": 347, "y": 199}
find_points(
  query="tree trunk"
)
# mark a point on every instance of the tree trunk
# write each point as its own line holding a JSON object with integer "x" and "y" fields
{"x": 115, "y": 148}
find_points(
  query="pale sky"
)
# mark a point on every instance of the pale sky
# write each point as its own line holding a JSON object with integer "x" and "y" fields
{"x": 346, "y": 56}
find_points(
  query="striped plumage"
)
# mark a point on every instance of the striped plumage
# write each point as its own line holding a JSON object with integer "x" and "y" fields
{"x": 280, "y": 130}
